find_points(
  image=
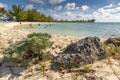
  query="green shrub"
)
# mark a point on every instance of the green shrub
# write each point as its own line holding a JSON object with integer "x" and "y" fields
{"x": 33, "y": 48}
{"x": 112, "y": 49}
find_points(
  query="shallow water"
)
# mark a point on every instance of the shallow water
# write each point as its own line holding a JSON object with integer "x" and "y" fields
{"x": 102, "y": 30}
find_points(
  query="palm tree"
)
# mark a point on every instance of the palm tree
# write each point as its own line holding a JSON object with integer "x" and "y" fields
{"x": 2, "y": 12}
{"x": 18, "y": 12}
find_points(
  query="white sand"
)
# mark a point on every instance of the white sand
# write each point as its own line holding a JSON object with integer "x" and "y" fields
{"x": 13, "y": 24}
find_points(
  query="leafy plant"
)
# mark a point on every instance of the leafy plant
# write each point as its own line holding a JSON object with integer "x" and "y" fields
{"x": 33, "y": 48}
{"x": 112, "y": 48}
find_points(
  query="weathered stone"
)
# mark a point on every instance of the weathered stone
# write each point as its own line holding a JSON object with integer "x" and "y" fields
{"x": 5, "y": 71}
{"x": 115, "y": 41}
{"x": 112, "y": 46}
{"x": 84, "y": 51}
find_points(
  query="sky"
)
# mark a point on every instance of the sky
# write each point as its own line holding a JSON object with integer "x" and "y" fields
{"x": 101, "y": 10}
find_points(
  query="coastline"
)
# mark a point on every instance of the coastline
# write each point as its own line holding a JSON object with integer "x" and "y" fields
{"x": 10, "y": 35}
{"x": 18, "y": 25}
{"x": 11, "y": 32}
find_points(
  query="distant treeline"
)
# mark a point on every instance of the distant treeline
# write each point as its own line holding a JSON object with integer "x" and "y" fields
{"x": 76, "y": 21}
{"x": 18, "y": 13}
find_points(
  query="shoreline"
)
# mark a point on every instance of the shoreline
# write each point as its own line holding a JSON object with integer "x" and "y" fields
{"x": 18, "y": 26}
{"x": 11, "y": 35}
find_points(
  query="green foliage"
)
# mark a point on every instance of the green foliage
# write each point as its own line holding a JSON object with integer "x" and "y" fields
{"x": 2, "y": 12}
{"x": 33, "y": 15}
{"x": 38, "y": 41}
{"x": 33, "y": 48}
{"x": 112, "y": 49}
{"x": 118, "y": 38}
{"x": 76, "y": 21}
{"x": 18, "y": 13}
{"x": 22, "y": 16}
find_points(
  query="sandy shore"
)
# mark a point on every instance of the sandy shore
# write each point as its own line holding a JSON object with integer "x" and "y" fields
{"x": 18, "y": 25}
{"x": 9, "y": 35}
{"x": 10, "y": 32}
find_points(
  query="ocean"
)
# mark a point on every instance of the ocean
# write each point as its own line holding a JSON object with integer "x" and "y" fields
{"x": 99, "y": 29}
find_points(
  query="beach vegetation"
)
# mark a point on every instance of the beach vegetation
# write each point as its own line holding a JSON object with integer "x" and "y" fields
{"x": 18, "y": 13}
{"x": 112, "y": 49}
{"x": 32, "y": 50}
{"x": 76, "y": 21}
{"x": 2, "y": 12}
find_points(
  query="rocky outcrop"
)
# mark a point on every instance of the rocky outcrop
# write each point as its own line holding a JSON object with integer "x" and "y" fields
{"x": 84, "y": 51}
{"x": 114, "y": 41}
{"x": 112, "y": 46}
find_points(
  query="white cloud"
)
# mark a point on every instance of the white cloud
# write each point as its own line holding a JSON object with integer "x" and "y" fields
{"x": 2, "y": 5}
{"x": 55, "y": 1}
{"x": 29, "y": 7}
{"x": 38, "y": 1}
{"x": 109, "y": 10}
{"x": 119, "y": 4}
{"x": 77, "y": 8}
{"x": 70, "y": 15}
{"x": 108, "y": 18}
{"x": 51, "y": 11}
{"x": 108, "y": 6}
{"x": 41, "y": 10}
{"x": 111, "y": 13}
{"x": 70, "y": 6}
{"x": 58, "y": 8}
{"x": 85, "y": 7}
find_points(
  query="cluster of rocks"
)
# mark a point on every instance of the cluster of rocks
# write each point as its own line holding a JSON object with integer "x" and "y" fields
{"x": 84, "y": 51}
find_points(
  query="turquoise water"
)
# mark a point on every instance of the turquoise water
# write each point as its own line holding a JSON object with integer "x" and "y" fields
{"x": 102, "y": 30}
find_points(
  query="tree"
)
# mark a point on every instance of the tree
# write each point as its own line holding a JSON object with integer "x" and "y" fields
{"x": 22, "y": 16}
{"x": 33, "y": 15}
{"x": 18, "y": 13}
{"x": 50, "y": 19}
{"x": 2, "y": 12}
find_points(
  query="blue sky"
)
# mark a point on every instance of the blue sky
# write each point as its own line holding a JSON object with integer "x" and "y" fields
{"x": 101, "y": 10}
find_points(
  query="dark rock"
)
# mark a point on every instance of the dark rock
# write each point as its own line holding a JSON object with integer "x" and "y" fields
{"x": 115, "y": 41}
{"x": 112, "y": 46}
{"x": 84, "y": 51}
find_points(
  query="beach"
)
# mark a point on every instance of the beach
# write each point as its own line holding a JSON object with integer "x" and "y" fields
{"x": 11, "y": 33}
{"x": 20, "y": 24}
